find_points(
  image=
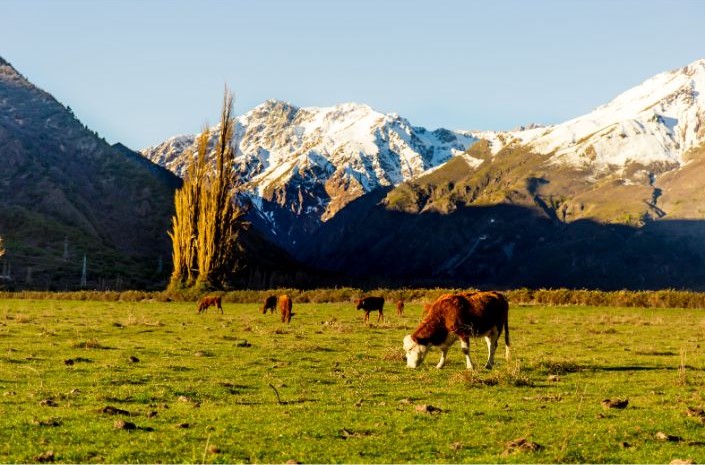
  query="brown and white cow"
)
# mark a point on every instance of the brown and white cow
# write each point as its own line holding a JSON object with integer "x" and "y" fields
{"x": 371, "y": 304}
{"x": 207, "y": 301}
{"x": 270, "y": 303}
{"x": 285, "y": 308}
{"x": 460, "y": 316}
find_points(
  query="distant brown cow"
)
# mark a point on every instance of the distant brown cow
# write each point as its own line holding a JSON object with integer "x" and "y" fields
{"x": 400, "y": 307}
{"x": 371, "y": 304}
{"x": 460, "y": 316}
{"x": 270, "y": 303}
{"x": 285, "y": 308}
{"x": 207, "y": 301}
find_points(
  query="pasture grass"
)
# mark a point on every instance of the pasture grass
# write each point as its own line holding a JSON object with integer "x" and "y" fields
{"x": 243, "y": 387}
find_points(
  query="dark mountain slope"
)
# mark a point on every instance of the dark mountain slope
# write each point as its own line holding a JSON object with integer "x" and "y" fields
{"x": 516, "y": 221}
{"x": 64, "y": 192}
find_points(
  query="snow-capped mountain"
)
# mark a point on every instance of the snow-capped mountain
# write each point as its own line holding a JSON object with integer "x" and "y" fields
{"x": 612, "y": 199}
{"x": 629, "y": 161}
{"x": 656, "y": 121}
{"x": 300, "y": 166}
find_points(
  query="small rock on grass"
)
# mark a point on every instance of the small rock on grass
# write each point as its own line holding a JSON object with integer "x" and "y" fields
{"x": 48, "y": 422}
{"x": 133, "y": 359}
{"x": 696, "y": 412}
{"x": 213, "y": 449}
{"x": 661, "y": 436}
{"x": 110, "y": 410}
{"x": 124, "y": 425}
{"x": 428, "y": 409}
{"x": 615, "y": 403}
{"x": 44, "y": 457}
{"x": 521, "y": 445}
{"x": 48, "y": 403}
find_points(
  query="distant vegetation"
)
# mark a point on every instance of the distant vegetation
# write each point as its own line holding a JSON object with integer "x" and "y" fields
{"x": 668, "y": 298}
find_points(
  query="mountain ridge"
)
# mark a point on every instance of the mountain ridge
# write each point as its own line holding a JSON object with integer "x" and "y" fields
{"x": 67, "y": 194}
{"x": 630, "y": 172}
{"x": 301, "y": 165}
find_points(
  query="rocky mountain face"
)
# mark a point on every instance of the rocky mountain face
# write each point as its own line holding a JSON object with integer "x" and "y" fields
{"x": 610, "y": 199}
{"x": 301, "y": 166}
{"x": 65, "y": 194}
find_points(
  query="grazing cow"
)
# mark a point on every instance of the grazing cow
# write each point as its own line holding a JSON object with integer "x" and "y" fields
{"x": 371, "y": 304}
{"x": 285, "y": 308}
{"x": 460, "y": 316}
{"x": 400, "y": 307}
{"x": 207, "y": 301}
{"x": 270, "y": 303}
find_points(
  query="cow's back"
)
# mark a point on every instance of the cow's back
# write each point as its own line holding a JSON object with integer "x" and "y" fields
{"x": 371, "y": 303}
{"x": 485, "y": 311}
{"x": 449, "y": 313}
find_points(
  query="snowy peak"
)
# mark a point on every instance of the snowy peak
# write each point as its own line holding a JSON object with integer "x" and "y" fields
{"x": 313, "y": 161}
{"x": 656, "y": 121}
{"x": 379, "y": 149}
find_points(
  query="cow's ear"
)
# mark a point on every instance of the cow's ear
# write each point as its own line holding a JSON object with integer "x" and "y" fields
{"x": 424, "y": 341}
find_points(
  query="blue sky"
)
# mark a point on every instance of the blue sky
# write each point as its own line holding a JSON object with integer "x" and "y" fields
{"x": 140, "y": 71}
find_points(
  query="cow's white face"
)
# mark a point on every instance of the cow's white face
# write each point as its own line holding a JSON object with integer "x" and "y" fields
{"x": 415, "y": 353}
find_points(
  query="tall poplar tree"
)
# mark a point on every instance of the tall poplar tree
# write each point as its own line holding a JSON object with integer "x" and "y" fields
{"x": 185, "y": 220}
{"x": 220, "y": 218}
{"x": 206, "y": 225}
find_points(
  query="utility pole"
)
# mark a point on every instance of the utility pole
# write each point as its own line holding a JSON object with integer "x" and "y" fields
{"x": 83, "y": 273}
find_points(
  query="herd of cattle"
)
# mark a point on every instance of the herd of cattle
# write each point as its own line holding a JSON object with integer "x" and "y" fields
{"x": 451, "y": 317}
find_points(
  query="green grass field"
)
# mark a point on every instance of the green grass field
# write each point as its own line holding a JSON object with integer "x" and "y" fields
{"x": 243, "y": 387}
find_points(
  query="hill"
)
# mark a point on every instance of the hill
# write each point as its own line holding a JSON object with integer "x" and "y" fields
{"x": 65, "y": 194}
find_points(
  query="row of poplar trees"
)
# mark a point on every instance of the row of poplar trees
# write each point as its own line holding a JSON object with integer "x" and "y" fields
{"x": 207, "y": 221}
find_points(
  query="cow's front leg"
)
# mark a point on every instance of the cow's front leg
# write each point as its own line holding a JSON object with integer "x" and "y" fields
{"x": 465, "y": 347}
{"x": 491, "y": 340}
{"x": 442, "y": 362}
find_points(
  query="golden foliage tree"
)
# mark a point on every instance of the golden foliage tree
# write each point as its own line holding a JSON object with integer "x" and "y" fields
{"x": 220, "y": 218}
{"x": 207, "y": 221}
{"x": 185, "y": 220}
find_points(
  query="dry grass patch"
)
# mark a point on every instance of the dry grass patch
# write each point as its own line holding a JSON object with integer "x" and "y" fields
{"x": 556, "y": 367}
{"x": 88, "y": 344}
{"x": 133, "y": 320}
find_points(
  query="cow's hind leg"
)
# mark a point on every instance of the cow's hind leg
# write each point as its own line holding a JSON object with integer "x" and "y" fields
{"x": 491, "y": 340}
{"x": 465, "y": 347}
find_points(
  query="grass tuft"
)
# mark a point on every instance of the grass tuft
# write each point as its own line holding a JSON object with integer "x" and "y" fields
{"x": 87, "y": 344}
